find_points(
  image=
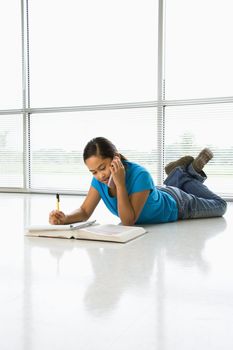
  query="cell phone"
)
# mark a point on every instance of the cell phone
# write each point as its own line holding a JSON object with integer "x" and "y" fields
{"x": 110, "y": 181}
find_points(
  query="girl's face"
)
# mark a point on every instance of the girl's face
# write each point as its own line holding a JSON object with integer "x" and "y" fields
{"x": 100, "y": 168}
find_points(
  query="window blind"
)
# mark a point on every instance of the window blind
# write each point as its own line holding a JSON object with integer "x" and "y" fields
{"x": 10, "y": 59}
{"x": 188, "y": 129}
{"x": 58, "y": 140}
{"x": 198, "y": 57}
{"x": 11, "y": 151}
{"x": 92, "y": 60}
{"x": 92, "y": 52}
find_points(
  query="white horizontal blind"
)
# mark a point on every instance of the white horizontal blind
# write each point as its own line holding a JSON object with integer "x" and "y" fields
{"x": 10, "y": 58}
{"x": 79, "y": 58}
{"x": 11, "y": 151}
{"x": 199, "y": 53}
{"x": 92, "y": 52}
{"x": 188, "y": 129}
{"x": 198, "y": 64}
{"x": 58, "y": 140}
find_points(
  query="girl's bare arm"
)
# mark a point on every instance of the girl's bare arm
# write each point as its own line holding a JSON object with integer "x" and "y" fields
{"x": 81, "y": 214}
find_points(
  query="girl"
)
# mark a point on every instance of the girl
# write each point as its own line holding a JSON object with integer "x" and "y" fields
{"x": 128, "y": 190}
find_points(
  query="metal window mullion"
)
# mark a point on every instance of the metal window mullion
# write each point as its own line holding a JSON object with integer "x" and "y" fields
{"x": 26, "y": 94}
{"x": 131, "y": 105}
{"x": 160, "y": 93}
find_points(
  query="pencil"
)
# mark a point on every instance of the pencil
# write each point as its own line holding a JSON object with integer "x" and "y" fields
{"x": 58, "y": 201}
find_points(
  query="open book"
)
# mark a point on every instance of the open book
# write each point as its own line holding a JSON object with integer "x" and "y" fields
{"x": 109, "y": 232}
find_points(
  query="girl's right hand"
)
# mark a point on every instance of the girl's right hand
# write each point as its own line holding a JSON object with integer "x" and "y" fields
{"x": 57, "y": 217}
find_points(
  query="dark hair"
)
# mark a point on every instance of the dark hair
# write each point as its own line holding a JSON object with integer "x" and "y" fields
{"x": 100, "y": 146}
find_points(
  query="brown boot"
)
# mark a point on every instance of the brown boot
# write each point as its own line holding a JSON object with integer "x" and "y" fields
{"x": 202, "y": 159}
{"x": 184, "y": 161}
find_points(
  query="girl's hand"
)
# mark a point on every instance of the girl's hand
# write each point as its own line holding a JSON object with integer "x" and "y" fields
{"x": 57, "y": 217}
{"x": 118, "y": 171}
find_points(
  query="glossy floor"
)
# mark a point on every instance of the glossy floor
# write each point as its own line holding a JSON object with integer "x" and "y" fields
{"x": 169, "y": 289}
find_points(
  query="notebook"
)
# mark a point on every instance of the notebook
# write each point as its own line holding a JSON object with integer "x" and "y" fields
{"x": 108, "y": 232}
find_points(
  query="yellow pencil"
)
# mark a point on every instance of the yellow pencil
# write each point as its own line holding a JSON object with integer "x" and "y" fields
{"x": 58, "y": 201}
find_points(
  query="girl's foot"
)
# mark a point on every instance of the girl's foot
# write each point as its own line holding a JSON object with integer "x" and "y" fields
{"x": 184, "y": 161}
{"x": 202, "y": 159}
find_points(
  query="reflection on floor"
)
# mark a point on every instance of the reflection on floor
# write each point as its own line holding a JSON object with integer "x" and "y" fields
{"x": 169, "y": 289}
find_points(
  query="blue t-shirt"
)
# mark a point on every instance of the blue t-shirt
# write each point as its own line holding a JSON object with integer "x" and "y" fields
{"x": 159, "y": 207}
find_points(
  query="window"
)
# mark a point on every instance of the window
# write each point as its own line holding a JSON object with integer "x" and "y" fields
{"x": 58, "y": 140}
{"x": 10, "y": 58}
{"x": 92, "y": 52}
{"x": 98, "y": 61}
{"x": 191, "y": 128}
{"x": 11, "y": 151}
{"x": 199, "y": 55}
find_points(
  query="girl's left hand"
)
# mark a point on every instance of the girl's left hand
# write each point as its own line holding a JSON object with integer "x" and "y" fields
{"x": 118, "y": 171}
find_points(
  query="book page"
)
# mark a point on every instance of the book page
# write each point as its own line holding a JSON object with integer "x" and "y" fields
{"x": 48, "y": 227}
{"x": 109, "y": 229}
{"x": 68, "y": 227}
